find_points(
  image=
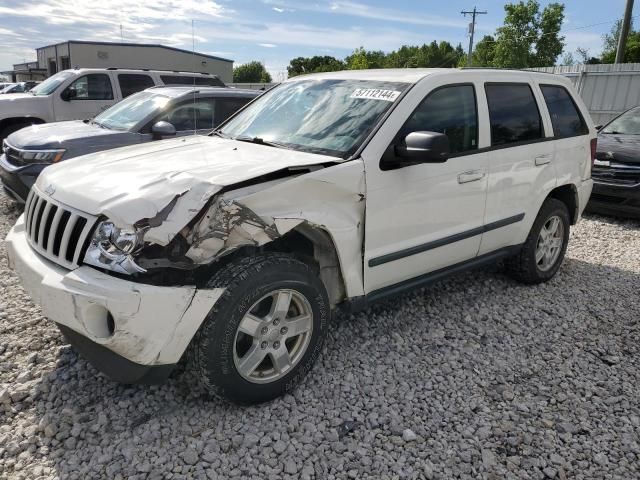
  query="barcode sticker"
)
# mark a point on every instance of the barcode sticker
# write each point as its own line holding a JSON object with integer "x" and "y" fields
{"x": 375, "y": 94}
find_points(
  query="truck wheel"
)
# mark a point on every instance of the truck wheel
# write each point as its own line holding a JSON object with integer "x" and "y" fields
{"x": 14, "y": 127}
{"x": 266, "y": 330}
{"x": 544, "y": 249}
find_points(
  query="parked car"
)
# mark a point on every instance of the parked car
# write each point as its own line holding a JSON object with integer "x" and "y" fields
{"x": 155, "y": 113}
{"x": 84, "y": 92}
{"x": 330, "y": 189}
{"x": 616, "y": 171}
{"x": 20, "y": 87}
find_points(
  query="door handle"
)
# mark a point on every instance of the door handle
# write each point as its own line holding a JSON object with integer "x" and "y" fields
{"x": 543, "y": 160}
{"x": 470, "y": 176}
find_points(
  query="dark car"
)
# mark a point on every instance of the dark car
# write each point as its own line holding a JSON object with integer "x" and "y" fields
{"x": 152, "y": 114}
{"x": 616, "y": 170}
{"x": 20, "y": 87}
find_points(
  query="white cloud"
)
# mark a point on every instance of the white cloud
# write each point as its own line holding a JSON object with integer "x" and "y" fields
{"x": 267, "y": 45}
{"x": 278, "y": 9}
{"x": 589, "y": 40}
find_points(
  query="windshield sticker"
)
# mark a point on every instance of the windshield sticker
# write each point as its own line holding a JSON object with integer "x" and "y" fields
{"x": 375, "y": 94}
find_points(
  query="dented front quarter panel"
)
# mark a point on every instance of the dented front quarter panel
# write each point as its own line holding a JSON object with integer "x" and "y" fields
{"x": 331, "y": 199}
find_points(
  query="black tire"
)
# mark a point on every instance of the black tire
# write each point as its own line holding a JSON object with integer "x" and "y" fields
{"x": 14, "y": 127}
{"x": 246, "y": 282}
{"x": 523, "y": 266}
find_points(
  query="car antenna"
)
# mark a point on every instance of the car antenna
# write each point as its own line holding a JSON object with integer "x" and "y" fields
{"x": 193, "y": 53}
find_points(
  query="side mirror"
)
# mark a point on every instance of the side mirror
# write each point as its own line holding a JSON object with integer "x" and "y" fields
{"x": 599, "y": 127}
{"x": 68, "y": 94}
{"x": 163, "y": 129}
{"x": 424, "y": 147}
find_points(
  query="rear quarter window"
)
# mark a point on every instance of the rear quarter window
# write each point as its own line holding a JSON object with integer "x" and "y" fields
{"x": 513, "y": 113}
{"x": 131, "y": 83}
{"x": 565, "y": 116}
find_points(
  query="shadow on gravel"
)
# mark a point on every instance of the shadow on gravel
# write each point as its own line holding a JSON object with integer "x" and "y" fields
{"x": 508, "y": 374}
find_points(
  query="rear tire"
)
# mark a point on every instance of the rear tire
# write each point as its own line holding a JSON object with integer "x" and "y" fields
{"x": 265, "y": 332}
{"x": 545, "y": 247}
{"x": 14, "y": 127}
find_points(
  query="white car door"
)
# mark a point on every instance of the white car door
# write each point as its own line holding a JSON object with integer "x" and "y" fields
{"x": 424, "y": 217}
{"x": 85, "y": 97}
{"x": 521, "y": 171}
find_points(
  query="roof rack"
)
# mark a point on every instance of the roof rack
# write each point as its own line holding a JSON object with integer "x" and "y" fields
{"x": 151, "y": 70}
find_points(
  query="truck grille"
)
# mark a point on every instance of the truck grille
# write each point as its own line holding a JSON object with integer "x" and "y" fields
{"x": 13, "y": 155}
{"x": 623, "y": 174}
{"x": 55, "y": 231}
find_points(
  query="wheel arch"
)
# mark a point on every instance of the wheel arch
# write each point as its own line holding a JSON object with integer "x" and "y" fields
{"x": 6, "y": 122}
{"x": 567, "y": 194}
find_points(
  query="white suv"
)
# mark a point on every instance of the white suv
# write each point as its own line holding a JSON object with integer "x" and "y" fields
{"x": 330, "y": 189}
{"x": 84, "y": 92}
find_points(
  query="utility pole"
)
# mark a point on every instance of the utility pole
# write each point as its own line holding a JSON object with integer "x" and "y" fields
{"x": 624, "y": 32}
{"x": 472, "y": 29}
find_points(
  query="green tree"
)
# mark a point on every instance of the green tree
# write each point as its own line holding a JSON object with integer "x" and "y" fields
{"x": 632, "y": 49}
{"x": 529, "y": 37}
{"x": 484, "y": 52}
{"x": 361, "y": 59}
{"x": 252, "y": 72}
{"x": 305, "y": 65}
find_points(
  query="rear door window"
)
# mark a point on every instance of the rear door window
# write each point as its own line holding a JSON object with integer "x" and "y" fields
{"x": 131, "y": 83}
{"x": 186, "y": 80}
{"x": 228, "y": 106}
{"x": 513, "y": 113}
{"x": 565, "y": 116}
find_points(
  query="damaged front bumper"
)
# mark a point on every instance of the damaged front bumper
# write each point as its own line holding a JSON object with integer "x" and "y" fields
{"x": 133, "y": 332}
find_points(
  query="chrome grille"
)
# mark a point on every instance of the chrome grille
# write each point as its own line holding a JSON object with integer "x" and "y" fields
{"x": 56, "y": 231}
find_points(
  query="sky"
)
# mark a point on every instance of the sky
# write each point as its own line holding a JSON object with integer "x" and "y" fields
{"x": 274, "y": 31}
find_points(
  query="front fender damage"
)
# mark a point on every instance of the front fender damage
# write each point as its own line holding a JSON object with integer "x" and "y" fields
{"x": 327, "y": 200}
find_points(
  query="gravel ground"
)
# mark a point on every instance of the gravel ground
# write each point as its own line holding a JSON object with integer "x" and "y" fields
{"x": 477, "y": 377}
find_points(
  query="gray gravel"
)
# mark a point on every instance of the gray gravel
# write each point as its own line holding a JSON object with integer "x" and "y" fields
{"x": 477, "y": 377}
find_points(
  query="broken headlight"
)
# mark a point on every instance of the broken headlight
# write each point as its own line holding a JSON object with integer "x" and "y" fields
{"x": 113, "y": 248}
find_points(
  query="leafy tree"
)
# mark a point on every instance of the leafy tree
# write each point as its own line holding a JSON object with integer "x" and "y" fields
{"x": 632, "y": 50}
{"x": 361, "y": 59}
{"x": 529, "y": 37}
{"x": 305, "y": 65}
{"x": 252, "y": 72}
{"x": 484, "y": 52}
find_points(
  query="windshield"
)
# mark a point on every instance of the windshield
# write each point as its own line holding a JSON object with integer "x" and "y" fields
{"x": 332, "y": 117}
{"x": 51, "y": 83}
{"x": 132, "y": 110}
{"x": 628, "y": 123}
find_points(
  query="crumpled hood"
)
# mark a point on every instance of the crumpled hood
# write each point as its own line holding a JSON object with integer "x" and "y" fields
{"x": 55, "y": 135}
{"x": 619, "y": 148}
{"x": 167, "y": 182}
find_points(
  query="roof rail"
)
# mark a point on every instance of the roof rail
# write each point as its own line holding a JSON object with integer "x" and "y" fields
{"x": 149, "y": 70}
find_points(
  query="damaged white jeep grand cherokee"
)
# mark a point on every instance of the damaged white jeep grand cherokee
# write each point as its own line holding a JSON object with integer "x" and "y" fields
{"x": 336, "y": 188}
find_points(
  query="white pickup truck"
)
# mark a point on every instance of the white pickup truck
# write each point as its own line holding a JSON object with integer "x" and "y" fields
{"x": 84, "y": 92}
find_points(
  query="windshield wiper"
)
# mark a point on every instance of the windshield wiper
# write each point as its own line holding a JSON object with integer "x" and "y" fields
{"x": 218, "y": 133}
{"x": 262, "y": 141}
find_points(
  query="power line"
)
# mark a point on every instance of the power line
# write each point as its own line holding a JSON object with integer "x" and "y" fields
{"x": 555, "y": 32}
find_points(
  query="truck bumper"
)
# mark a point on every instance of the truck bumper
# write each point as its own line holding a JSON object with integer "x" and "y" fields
{"x": 131, "y": 331}
{"x": 615, "y": 200}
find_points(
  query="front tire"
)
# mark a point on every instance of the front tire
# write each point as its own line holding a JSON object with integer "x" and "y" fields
{"x": 266, "y": 331}
{"x": 545, "y": 247}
